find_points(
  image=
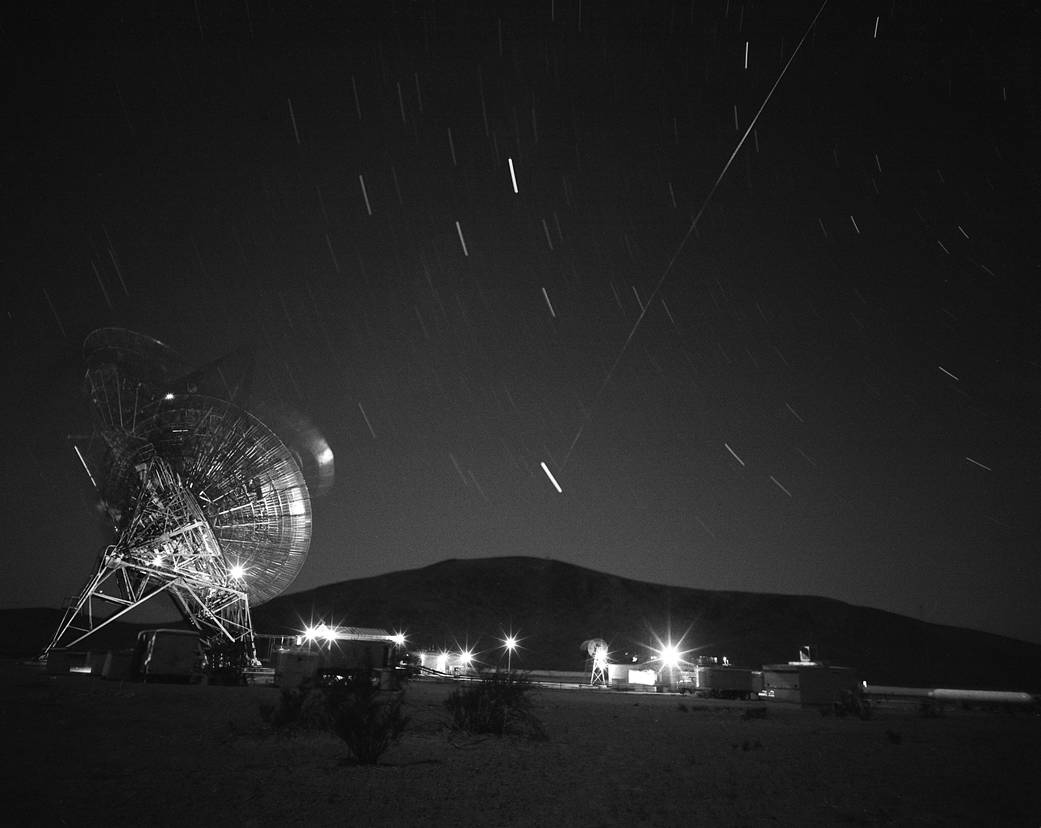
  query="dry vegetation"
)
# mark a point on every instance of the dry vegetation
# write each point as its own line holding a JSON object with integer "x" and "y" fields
{"x": 85, "y": 751}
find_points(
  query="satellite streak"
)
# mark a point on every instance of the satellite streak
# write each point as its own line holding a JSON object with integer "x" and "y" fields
{"x": 692, "y": 227}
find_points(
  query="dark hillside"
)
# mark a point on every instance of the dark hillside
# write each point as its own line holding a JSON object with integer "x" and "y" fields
{"x": 28, "y": 631}
{"x": 555, "y": 606}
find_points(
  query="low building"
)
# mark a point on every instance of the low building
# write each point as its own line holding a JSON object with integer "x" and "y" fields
{"x": 809, "y": 683}
{"x": 328, "y": 654}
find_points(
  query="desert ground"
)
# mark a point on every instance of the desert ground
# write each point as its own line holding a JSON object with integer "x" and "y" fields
{"x": 80, "y": 750}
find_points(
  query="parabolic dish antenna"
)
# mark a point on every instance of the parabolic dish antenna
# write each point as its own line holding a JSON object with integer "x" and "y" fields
{"x": 597, "y": 649}
{"x": 208, "y": 505}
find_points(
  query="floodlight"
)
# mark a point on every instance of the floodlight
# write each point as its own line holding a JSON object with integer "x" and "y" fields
{"x": 510, "y": 643}
{"x": 669, "y": 655}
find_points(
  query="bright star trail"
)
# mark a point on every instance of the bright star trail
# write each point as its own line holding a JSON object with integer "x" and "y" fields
{"x": 552, "y": 479}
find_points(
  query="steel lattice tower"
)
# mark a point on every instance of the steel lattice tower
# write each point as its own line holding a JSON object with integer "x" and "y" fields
{"x": 207, "y": 504}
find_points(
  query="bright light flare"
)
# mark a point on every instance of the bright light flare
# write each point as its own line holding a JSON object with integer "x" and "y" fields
{"x": 399, "y": 639}
{"x": 466, "y": 657}
{"x": 669, "y": 655}
{"x": 510, "y": 643}
{"x": 237, "y": 572}
{"x": 322, "y": 630}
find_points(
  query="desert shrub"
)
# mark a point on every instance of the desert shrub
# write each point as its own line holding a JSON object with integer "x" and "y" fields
{"x": 307, "y": 707}
{"x": 287, "y": 711}
{"x": 367, "y": 720}
{"x": 499, "y": 703}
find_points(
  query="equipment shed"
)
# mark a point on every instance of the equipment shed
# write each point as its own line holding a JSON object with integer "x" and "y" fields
{"x": 810, "y": 684}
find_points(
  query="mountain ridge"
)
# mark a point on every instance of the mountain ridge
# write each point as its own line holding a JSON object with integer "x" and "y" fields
{"x": 553, "y": 606}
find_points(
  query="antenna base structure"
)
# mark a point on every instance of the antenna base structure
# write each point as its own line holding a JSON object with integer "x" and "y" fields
{"x": 597, "y": 649}
{"x": 208, "y": 506}
{"x": 167, "y": 547}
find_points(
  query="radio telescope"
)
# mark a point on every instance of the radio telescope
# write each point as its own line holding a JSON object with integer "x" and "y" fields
{"x": 207, "y": 504}
{"x": 598, "y": 652}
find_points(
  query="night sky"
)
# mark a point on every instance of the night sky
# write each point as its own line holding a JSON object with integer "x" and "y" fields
{"x": 820, "y": 377}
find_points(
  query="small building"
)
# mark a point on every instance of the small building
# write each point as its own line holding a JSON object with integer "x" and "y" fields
{"x": 722, "y": 682}
{"x": 444, "y": 662}
{"x": 327, "y": 654}
{"x": 809, "y": 683}
{"x": 643, "y": 678}
{"x": 169, "y": 655}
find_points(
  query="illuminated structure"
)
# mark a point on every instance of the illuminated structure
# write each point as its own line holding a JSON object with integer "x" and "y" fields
{"x": 207, "y": 504}
{"x": 598, "y": 652}
{"x": 510, "y": 644}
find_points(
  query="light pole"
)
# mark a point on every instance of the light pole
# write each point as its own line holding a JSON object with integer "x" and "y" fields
{"x": 510, "y": 642}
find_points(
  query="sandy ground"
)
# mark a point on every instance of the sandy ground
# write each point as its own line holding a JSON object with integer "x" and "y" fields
{"x": 84, "y": 751}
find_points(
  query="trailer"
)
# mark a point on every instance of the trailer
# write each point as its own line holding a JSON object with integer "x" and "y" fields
{"x": 722, "y": 682}
{"x": 812, "y": 684}
{"x": 344, "y": 656}
{"x": 168, "y": 655}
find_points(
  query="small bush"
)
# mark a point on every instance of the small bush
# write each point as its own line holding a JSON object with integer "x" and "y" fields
{"x": 307, "y": 707}
{"x": 498, "y": 704}
{"x": 367, "y": 720}
{"x": 287, "y": 712}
